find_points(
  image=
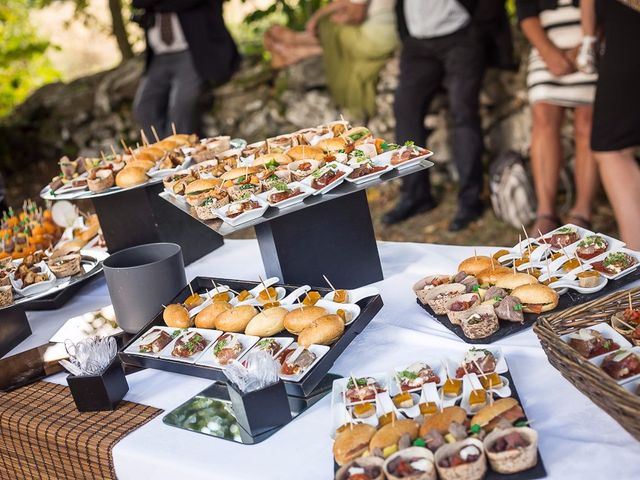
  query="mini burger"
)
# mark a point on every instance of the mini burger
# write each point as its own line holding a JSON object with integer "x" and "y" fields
{"x": 198, "y": 191}
{"x": 272, "y": 159}
{"x": 511, "y": 281}
{"x": 332, "y": 145}
{"x": 352, "y": 443}
{"x": 241, "y": 182}
{"x": 442, "y": 420}
{"x": 358, "y": 134}
{"x": 235, "y": 319}
{"x": 324, "y": 330}
{"x": 502, "y": 411}
{"x": 536, "y": 298}
{"x": 489, "y": 276}
{"x": 305, "y": 152}
{"x": 474, "y": 265}
{"x": 389, "y": 435}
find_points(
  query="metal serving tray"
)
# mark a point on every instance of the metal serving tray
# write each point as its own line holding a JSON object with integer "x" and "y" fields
{"x": 304, "y": 388}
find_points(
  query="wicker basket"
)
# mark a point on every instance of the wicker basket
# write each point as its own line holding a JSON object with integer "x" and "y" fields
{"x": 621, "y": 404}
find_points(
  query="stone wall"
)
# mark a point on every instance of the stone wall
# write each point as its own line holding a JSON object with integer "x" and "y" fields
{"x": 92, "y": 113}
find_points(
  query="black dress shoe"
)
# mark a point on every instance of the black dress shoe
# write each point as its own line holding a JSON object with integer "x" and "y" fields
{"x": 406, "y": 208}
{"x": 463, "y": 218}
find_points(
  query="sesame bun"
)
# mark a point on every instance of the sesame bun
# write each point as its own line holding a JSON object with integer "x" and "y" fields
{"x": 206, "y": 318}
{"x": 239, "y": 172}
{"x": 476, "y": 264}
{"x": 390, "y": 434}
{"x": 305, "y": 152}
{"x": 300, "y": 318}
{"x": 322, "y": 331}
{"x": 236, "y": 319}
{"x": 267, "y": 323}
{"x": 130, "y": 177}
{"x": 177, "y": 316}
{"x": 510, "y": 281}
{"x": 490, "y": 275}
{"x": 441, "y": 420}
{"x": 352, "y": 442}
{"x": 331, "y": 145}
{"x": 536, "y": 298}
{"x": 281, "y": 158}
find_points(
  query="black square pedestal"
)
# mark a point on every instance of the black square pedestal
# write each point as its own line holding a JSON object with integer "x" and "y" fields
{"x": 137, "y": 216}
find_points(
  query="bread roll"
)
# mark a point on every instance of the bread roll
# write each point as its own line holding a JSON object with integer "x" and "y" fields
{"x": 441, "y": 421}
{"x": 352, "y": 442}
{"x": 130, "y": 177}
{"x": 146, "y": 165}
{"x": 390, "y": 434}
{"x": 177, "y": 316}
{"x": 236, "y": 319}
{"x": 322, "y": 331}
{"x": 300, "y": 318}
{"x": 267, "y": 323}
{"x": 475, "y": 265}
{"x": 206, "y": 318}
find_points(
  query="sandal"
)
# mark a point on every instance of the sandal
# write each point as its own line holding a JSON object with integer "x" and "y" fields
{"x": 580, "y": 221}
{"x": 552, "y": 222}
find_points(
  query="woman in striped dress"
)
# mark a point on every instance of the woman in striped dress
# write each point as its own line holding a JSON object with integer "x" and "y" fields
{"x": 555, "y": 84}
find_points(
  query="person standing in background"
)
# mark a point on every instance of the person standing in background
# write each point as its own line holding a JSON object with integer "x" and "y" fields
{"x": 616, "y": 115}
{"x": 554, "y": 84}
{"x": 188, "y": 49}
{"x": 441, "y": 46}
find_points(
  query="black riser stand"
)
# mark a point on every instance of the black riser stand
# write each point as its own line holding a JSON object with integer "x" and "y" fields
{"x": 14, "y": 328}
{"x": 138, "y": 216}
{"x": 333, "y": 238}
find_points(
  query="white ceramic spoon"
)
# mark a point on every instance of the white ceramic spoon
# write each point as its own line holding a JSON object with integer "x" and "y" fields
{"x": 354, "y": 296}
{"x": 293, "y": 296}
{"x": 574, "y": 285}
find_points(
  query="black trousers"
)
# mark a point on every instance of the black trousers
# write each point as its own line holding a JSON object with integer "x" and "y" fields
{"x": 456, "y": 61}
{"x": 170, "y": 92}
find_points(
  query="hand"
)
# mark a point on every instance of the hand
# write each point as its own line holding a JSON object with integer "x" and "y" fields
{"x": 311, "y": 26}
{"x": 558, "y": 62}
{"x": 341, "y": 17}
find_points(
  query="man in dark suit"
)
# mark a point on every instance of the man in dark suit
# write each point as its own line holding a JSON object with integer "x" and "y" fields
{"x": 188, "y": 49}
{"x": 443, "y": 45}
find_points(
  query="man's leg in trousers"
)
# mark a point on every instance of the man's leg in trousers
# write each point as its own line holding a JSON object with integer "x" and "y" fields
{"x": 152, "y": 98}
{"x": 464, "y": 67}
{"x": 421, "y": 74}
{"x": 186, "y": 101}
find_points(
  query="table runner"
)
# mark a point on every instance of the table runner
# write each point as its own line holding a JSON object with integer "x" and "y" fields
{"x": 42, "y": 435}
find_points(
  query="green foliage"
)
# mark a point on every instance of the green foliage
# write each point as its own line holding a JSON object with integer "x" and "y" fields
{"x": 23, "y": 66}
{"x": 290, "y": 13}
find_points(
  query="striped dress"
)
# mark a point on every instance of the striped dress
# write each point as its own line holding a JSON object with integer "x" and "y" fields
{"x": 562, "y": 25}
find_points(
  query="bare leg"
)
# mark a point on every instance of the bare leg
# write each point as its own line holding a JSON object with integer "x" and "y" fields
{"x": 586, "y": 170}
{"x": 620, "y": 175}
{"x": 546, "y": 157}
{"x": 588, "y": 17}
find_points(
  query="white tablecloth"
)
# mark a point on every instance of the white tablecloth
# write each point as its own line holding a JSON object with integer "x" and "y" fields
{"x": 577, "y": 439}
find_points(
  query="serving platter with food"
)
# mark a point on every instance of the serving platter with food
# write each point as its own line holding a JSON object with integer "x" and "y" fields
{"x": 87, "y": 177}
{"x": 214, "y": 322}
{"x": 596, "y": 346}
{"x": 430, "y": 421}
{"x": 490, "y": 298}
{"x": 318, "y": 172}
{"x": 284, "y": 170}
{"x": 40, "y": 261}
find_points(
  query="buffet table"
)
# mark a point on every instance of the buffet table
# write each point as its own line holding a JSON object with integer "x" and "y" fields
{"x": 577, "y": 439}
